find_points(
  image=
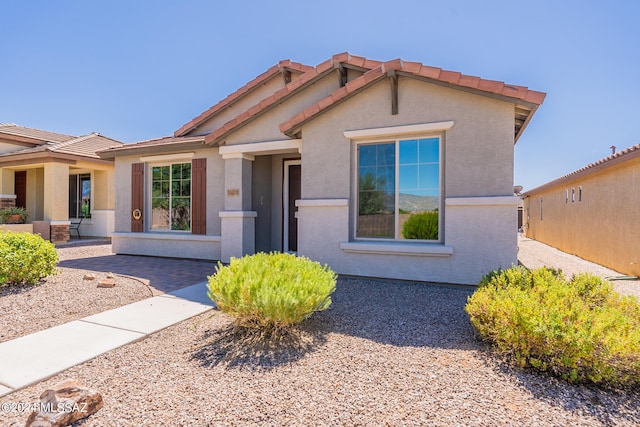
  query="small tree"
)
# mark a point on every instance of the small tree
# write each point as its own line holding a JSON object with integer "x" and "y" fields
{"x": 371, "y": 197}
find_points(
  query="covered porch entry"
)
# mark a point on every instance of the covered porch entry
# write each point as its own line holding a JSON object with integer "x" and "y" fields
{"x": 262, "y": 183}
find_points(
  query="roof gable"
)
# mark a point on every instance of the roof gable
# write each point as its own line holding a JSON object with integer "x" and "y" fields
{"x": 526, "y": 100}
{"x": 285, "y": 68}
{"x": 337, "y": 62}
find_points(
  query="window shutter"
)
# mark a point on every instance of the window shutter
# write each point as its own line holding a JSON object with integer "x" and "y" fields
{"x": 199, "y": 196}
{"x": 137, "y": 197}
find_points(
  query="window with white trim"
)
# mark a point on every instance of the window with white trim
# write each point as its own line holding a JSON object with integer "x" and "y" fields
{"x": 399, "y": 189}
{"x": 171, "y": 197}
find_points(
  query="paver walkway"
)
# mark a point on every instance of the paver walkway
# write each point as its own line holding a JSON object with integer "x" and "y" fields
{"x": 162, "y": 274}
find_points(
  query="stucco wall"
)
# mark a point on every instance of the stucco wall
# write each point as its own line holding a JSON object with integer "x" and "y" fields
{"x": 265, "y": 128}
{"x": 478, "y": 162}
{"x": 601, "y": 227}
{"x": 168, "y": 243}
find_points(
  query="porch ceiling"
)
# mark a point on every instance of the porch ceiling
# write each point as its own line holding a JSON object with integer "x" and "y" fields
{"x": 262, "y": 148}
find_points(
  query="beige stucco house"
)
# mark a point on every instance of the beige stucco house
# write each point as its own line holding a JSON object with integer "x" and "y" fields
{"x": 592, "y": 212}
{"x": 58, "y": 179}
{"x": 386, "y": 169}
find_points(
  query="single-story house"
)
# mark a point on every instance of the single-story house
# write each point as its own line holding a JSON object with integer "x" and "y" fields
{"x": 386, "y": 169}
{"x": 592, "y": 212}
{"x": 58, "y": 179}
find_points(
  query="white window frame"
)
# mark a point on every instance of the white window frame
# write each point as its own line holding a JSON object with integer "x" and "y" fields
{"x": 396, "y": 140}
{"x": 149, "y": 196}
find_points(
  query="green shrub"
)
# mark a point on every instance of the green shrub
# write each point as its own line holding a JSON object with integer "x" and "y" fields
{"x": 25, "y": 258}
{"x": 580, "y": 330}
{"x": 421, "y": 226}
{"x": 272, "y": 291}
{"x": 21, "y": 215}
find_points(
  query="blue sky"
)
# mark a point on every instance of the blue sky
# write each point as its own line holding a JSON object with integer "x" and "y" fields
{"x": 135, "y": 70}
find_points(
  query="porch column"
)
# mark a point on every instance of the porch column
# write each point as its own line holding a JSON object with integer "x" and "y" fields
{"x": 237, "y": 219}
{"x": 56, "y": 200}
{"x": 7, "y": 193}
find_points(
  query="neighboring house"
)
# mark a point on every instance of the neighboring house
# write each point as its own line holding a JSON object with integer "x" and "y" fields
{"x": 58, "y": 178}
{"x": 592, "y": 212}
{"x": 330, "y": 162}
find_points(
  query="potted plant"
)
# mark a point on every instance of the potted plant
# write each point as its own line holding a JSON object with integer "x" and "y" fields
{"x": 14, "y": 215}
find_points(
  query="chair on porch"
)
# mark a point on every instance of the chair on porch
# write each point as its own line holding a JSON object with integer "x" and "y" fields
{"x": 75, "y": 226}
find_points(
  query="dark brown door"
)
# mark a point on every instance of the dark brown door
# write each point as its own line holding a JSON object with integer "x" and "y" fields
{"x": 21, "y": 189}
{"x": 294, "y": 194}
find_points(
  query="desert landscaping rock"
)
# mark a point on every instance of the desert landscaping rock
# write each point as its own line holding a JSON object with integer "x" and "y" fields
{"x": 65, "y": 404}
{"x": 106, "y": 283}
{"x": 385, "y": 353}
{"x": 63, "y": 297}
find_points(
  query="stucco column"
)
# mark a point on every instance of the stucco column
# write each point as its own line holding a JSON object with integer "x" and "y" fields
{"x": 56, "y": 200}
{"x": 7, "y": 181}
{"x": 237, "y": 220}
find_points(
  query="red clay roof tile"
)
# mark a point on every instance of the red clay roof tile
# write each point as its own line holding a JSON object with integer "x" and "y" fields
{"x": 452, "y": 77}
{"x": 469, "y": 81}
{"x": 395, "y": 64}
{"x": 412, "y": 67}
{"x": 376, "y": 71}
{"x": 430, "y": 72}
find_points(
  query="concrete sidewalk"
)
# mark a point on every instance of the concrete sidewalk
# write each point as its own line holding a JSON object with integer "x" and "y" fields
{"x": 38, "y": 356}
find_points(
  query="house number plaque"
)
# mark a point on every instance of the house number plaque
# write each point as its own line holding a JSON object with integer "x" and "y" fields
{"x": 137, "y": 214}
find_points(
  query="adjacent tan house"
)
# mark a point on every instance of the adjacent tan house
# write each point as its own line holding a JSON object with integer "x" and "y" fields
{"x": 592, "y": 212}
{"x": 386, "y": 169}
{"x": 58, "y": 179}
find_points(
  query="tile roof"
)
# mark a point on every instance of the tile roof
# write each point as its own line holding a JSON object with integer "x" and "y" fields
{"x": 612, "y": 160}
{"x": 282, "y": 66}
{"x": 305, "y": 80}
{"x": 519, "y": 94}
{"x": 164, "y": 143}
{"x": 40, "y": 135}
{"x": 83, "y": 146}
{"x": 526, "y": 100}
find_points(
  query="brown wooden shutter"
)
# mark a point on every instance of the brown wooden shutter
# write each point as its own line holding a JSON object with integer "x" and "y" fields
{"x": 199, "y": 196}
{"x": 137, "y": 197}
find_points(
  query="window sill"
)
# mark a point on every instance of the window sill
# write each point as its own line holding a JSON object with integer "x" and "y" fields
{"x": 398, "y": 248}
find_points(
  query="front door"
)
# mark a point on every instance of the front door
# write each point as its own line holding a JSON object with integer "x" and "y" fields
{"x": 21, "y": 188}
{"x": 291, "y": 193}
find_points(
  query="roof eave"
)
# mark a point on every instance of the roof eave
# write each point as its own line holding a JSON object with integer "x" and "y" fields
{"x": 524, "y": 125}
{"x": 46, "y": 157}
{"x": 589, "y": 169}
{"x": 112, "y": 153}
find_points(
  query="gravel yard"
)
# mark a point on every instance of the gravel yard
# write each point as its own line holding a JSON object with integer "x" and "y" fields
{"x": 64, "y": 297}
{"x": 385, "y": 353}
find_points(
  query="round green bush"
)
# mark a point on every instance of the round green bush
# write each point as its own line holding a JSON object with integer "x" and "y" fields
{"x": 421, "y": 226}
{"x": 25, "y": 258}
{"x": 272, "y": 291}
{"x": 578, "y": 329}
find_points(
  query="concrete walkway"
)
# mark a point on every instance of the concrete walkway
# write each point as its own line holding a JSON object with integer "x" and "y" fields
{"x": 38, "y": 356}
